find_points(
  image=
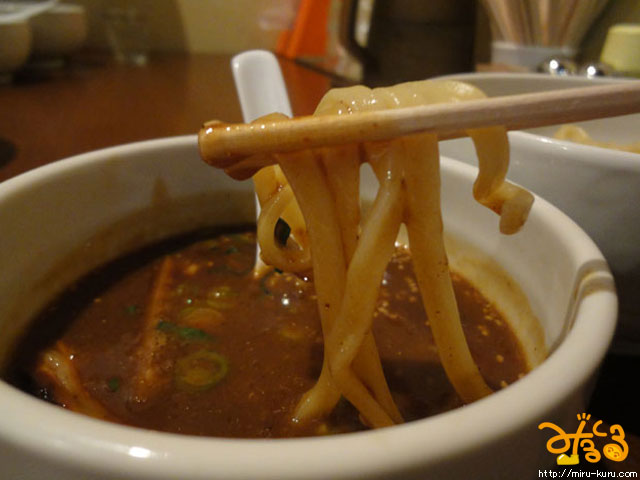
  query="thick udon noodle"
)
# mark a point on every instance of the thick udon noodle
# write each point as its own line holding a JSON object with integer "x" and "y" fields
{"x": 573, "y": 133}
{"x": 316, "y": 192}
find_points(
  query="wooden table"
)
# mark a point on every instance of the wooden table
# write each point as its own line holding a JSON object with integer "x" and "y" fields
{"x": 95, "y": 103}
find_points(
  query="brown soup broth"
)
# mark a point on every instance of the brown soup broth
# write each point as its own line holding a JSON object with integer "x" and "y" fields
{"x": 180, "y": 337}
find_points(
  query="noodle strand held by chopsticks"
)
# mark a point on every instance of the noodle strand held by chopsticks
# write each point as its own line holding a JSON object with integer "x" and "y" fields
{"x": 424, "y": 227}
{"x": 307, "y": 177}
{"x": 277, "y": 202}
{"x": 343, "y": 163}
{"x": 491, "y": 189}
{"x": 343, "y": 167}
{"x": 305, "y": 173}
{"x": 291, "y": 259}
{"x": 364, "y": 278}
{"x": 349, "y": 257}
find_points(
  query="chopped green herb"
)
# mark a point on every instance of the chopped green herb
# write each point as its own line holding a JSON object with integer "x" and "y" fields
{"x": 191, "y": 333}
{"x": 230, "y": 250}
{"x": 165, "y": 326}
{"x": 132, "y": 309}
{"x": 184, "y": 333}
{"x": 113, "y": 384}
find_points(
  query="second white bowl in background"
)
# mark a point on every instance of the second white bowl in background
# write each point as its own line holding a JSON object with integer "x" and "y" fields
{"x": 599, "y": 188}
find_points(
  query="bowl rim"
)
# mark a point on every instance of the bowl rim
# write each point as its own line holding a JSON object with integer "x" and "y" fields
{"x": 62, "y": 437}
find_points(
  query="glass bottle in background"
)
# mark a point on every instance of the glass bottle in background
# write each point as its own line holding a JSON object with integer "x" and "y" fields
{"x": 411, "y": 39}
{"x": 127, "y": 34}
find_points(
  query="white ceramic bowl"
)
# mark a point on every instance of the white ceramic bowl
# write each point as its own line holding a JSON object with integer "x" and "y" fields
{"x": 38, "y": 34}
{"x": 598, "y": 188}
{"x": 58, "y": 32}
{"x": 87, "y": 201}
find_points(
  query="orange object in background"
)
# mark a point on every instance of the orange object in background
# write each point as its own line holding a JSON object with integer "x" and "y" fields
{"x": 308, "y": 37}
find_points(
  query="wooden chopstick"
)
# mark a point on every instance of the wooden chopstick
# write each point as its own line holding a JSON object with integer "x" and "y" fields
{"x": 224, "y": 144}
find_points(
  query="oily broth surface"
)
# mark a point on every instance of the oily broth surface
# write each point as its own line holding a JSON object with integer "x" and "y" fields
{"x": 267, "y": 331}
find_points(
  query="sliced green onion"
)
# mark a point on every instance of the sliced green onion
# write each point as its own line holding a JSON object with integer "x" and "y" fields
{"x": 200, "y": 370}
{"x": 200, "y": 316}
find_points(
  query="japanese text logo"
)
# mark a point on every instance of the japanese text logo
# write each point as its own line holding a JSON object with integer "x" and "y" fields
{"x": 567, "y": 445}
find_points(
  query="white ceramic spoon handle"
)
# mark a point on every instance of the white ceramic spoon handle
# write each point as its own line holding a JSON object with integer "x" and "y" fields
{"x": 27, "y": 11}
{"x": 261, "y": 90}
{"x": 260, "y": 84}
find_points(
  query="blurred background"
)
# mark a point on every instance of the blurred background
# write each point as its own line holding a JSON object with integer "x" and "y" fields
{"x": 222, "y": 26}
{"x": 358, "y": 40}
